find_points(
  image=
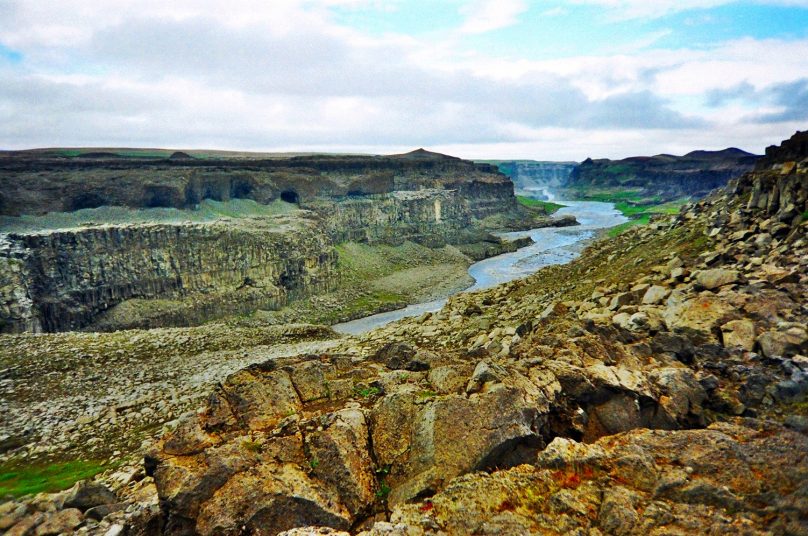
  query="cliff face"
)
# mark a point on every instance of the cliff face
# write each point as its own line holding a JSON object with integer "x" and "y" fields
{"x": 35, "y": 184}
{"x": 62, "y": 280}
{"x": 151, "y": 275}
{"x": 694, "y": 174}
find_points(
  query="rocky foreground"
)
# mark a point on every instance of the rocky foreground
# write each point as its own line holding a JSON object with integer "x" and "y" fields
{"x": 656, "y": 385}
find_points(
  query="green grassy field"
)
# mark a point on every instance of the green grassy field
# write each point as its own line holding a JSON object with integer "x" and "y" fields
{"x": 641, "y": 215}
{"x": 546, "y": 206}
{"x": 18, "y": 480}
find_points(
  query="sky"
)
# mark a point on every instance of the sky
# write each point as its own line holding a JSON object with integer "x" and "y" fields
{"x": 483, "y": 79}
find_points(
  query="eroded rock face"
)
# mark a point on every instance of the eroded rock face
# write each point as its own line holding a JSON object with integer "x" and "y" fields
{"x": 40, "y": 182}
{"x": 741, "y": 477}
{"x": 123, "y": 276}
{"x": 65, "y": 280}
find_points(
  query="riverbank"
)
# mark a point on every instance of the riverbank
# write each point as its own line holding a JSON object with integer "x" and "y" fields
{"x": 549, "y": 246}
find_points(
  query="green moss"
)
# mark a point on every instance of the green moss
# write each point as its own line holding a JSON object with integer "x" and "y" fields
{"x": 366, "y": 392}
{"x": 643, "y": 219}
{"x": 18, "y": 479}
{"x": 641, "y": 214}
{"x": 383, "y": 491}
{"x": 805, "y": 215}
{"x": 545, "y": 206}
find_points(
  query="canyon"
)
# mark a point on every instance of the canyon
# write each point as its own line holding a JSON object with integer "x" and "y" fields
{"x": 66, "y": 265}
{"x": 663, "y": 177}
{"x": 654, "y": 384}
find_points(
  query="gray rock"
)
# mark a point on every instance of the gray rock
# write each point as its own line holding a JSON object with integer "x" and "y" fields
{"x": 483, "y": 373}
{"x": 654, "y": 295}
{"x": 715, "y": 278}
{"x": 87, "y": 494}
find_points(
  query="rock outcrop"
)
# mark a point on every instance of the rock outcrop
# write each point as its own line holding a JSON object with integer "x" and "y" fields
{"x": 579, "y": 399}
{"x": 65, "y": 280}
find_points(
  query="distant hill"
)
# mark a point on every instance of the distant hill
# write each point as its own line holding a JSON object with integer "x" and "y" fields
{"x": 663, "y": 176}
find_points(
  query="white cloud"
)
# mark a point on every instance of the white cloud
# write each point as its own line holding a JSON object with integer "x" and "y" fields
{"x": 284, "y": 76}
{"x": 637, "y": 9}
{"x": 483, "y": 16}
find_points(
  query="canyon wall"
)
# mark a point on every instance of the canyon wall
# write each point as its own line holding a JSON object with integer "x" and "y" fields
{"x": 62, "y": 280}
{"x": 111, "y": 275}
{"x": 35, "y": 183}
{"x": 666, "y": 176}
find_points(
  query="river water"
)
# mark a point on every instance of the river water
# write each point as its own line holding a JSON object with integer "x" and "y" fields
{"x": 552, "y": 245}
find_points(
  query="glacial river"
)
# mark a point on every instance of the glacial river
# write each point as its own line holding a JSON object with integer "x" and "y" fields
{"x": 552, "y": 245}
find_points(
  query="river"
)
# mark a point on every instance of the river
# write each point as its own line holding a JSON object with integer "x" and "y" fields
{"x": 552, "y": 245}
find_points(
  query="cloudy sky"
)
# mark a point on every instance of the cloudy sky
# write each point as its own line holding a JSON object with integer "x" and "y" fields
{"x": 545, "y": 80}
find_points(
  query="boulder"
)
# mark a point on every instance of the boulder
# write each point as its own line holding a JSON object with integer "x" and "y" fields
{"x": 401, "y": 356}
{"x": 87, "y": 494}
{"x": 715, "y": 278}
{"x": 783, "y": 343}
{"x": 61, "y": 522}
{"x": 698, "y": 318}
{"x": 428, "y": 444}
{"x": 655, "y": 295}
{"x": 739, "y": 333}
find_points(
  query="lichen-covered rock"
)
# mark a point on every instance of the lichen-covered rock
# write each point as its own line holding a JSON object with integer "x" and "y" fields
{"x": 741, "y": 477}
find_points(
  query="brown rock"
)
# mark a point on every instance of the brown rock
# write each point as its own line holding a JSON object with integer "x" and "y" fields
{"x": 61, "y": 522}
{"x": 739, "y": 333}
{"x": 340, "y": 457}
{"x": 783, "y": 343}
{"x": 698, "y": 317}
{"x": 26, "y": 526}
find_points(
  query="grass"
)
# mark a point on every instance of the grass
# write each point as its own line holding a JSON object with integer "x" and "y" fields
{"x": 18, "y": 480}
{"x": 547, "y": 207}
{"x": 634, "y": 222}
{"x": 609, "y": 195}
{"x": 367, "y": 392}
{"x": 640, "y": 214}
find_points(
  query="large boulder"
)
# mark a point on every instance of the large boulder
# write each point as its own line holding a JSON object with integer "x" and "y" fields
{"x": 699, "y": 318}
{"x": 715, "y": 278}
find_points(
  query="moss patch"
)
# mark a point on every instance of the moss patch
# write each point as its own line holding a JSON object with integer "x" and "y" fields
{"x": 18, "y": 479}
{"x": 545, "y": 206}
